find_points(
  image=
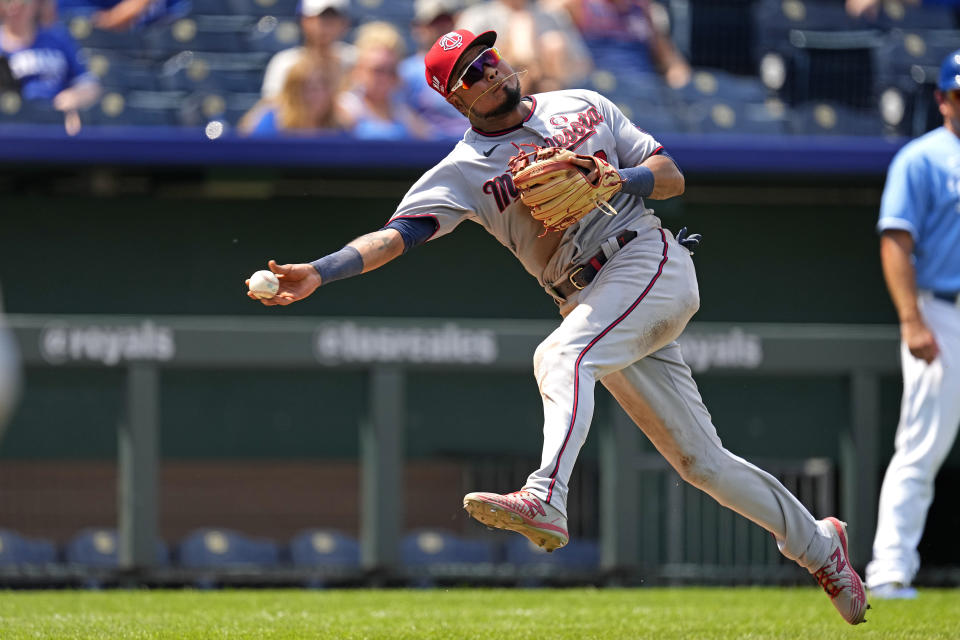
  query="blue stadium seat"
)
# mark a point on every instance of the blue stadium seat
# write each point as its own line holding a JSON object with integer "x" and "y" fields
{"x": 775, "y": 19}
{"x": 901, "y": 51}
{"x": 118, "y": 71}
{"x": 824, "y": 118}
{"x": 324, "y": 548}
{"x": 200, "y": 107}
{"x": 817, "y": 50}
{"x": 14, "y": 110}
{"x": 650, "y": 118}
{"x": 87, "y": 36}
{"x": 828, "y": 66}
{"x": 425, "y": 547}
{"x": 98, "y": 548}
{"x": 199, "y": 33}
{"x": 721, "y": 116}
{"x": 279, "y": 8}
{"x": 399, "y": 12}
{"x": 209, "y": 547}
{"x": 648, "y": 88}
{"x": 214, "y": 8}
{"x": 18, "y": 551}
{"x": 711, "y": 84}
{"x": 238, "y": 104}
{"x": 149, "y": 108}
{"x": 221, "y": 72}
{"x": 271, "y": 34}
{"x": 899, "y": 15}
{"x": 716, "y": 33}
{"x": 908, "y": 65}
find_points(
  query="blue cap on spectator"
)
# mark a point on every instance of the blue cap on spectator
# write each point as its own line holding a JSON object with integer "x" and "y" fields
{"x": 950, "y": 72}
{"x": 310, "y": 8}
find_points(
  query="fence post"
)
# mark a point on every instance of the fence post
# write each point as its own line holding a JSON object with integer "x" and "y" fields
{"x": 382, "y": 456}
{"x": 619, "y": 495}
{"x": 137, "y": 468}
{"x": 859, "y": 455}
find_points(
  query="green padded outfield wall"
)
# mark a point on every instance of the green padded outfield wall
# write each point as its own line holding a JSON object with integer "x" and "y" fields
{"x": 760, "y": 262}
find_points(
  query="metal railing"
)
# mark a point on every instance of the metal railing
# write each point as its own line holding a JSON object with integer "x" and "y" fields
{"x": 388, "y": 348}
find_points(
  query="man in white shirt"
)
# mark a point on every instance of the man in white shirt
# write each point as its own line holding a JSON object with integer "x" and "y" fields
{"x": 323, "y": 24}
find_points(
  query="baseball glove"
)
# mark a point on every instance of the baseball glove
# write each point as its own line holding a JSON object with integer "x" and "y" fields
{"x": 558, "y": 190}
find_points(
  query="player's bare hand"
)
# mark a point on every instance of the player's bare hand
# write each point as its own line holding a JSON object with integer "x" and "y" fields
{"x": 297, "y": 281}
{"x": 919, "y": 339}
{"x": 589, "y": 165}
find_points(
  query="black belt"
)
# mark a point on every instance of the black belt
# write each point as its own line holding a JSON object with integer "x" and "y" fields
{"x": 583, "y": 274}
{"x": 951, "y": 297}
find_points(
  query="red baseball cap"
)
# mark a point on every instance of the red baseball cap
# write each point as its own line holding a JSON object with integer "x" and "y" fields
{"x": 445, "y": 53}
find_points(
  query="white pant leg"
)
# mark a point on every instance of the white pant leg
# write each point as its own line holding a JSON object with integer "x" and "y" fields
{"x": 640, "y": 301}
{"x": 660, "y": 395}
{"x": 929, "y": 418}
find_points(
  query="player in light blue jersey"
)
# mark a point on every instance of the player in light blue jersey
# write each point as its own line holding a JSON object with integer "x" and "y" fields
{"x": 920, "y": 251}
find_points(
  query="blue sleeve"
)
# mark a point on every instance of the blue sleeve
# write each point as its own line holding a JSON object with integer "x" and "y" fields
{"x": 266, "y": 127}
{"x": 414, "y": 231}
{"x": 76, "y": 67}
{"x": 905, "y": 195}
{"x": 663, "y": 152}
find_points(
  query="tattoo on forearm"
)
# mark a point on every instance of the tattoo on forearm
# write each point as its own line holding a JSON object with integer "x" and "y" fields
{"x": 374, "y": 248}
{"x": 373, "y": 241}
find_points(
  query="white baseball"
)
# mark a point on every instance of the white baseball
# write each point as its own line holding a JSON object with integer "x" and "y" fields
{"x": 264, "y": 284}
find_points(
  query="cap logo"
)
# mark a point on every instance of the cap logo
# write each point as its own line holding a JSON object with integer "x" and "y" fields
{"x": 450, "y": 41}
{"x": 436, "y": 83}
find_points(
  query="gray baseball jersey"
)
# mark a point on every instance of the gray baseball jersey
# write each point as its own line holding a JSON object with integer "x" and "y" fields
{"x": 621, "y": 328}
{"x": 472, "y": 182}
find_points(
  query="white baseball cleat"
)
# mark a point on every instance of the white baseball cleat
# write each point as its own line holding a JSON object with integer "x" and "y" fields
{"x": 838, "y": 578}
{"x": 520, "y": 511}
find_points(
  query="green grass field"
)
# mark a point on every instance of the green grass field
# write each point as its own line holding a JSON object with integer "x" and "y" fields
{"x": 534, "y": 614}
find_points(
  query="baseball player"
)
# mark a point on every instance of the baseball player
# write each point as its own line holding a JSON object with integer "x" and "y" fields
{"x": 920, "y": 232}
{"x": 624, "y": 285}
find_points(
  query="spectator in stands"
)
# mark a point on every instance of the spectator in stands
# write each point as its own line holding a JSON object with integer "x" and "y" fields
{"x": 623, "y": 35}
{"x": 323, "y": 24}
{"x": 9, "y": 373}
{"x": 431, "y": 19}
{"x": 306, "y": 105}
{"x": 124, "y": 15}
{"x": 374, "y": 106}
{"x": 541, "y": 41}
{"x": 871, "y": 8}
{"x": 45, "y": 61}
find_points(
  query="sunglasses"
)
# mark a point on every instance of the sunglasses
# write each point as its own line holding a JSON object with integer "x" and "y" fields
{"x": 474, "y": 71}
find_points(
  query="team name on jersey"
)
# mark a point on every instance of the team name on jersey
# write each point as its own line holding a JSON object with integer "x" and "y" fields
{"x": 581, "y": 126}
{"x": 502, "y": 189}
{"x": 578, "y": 128}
